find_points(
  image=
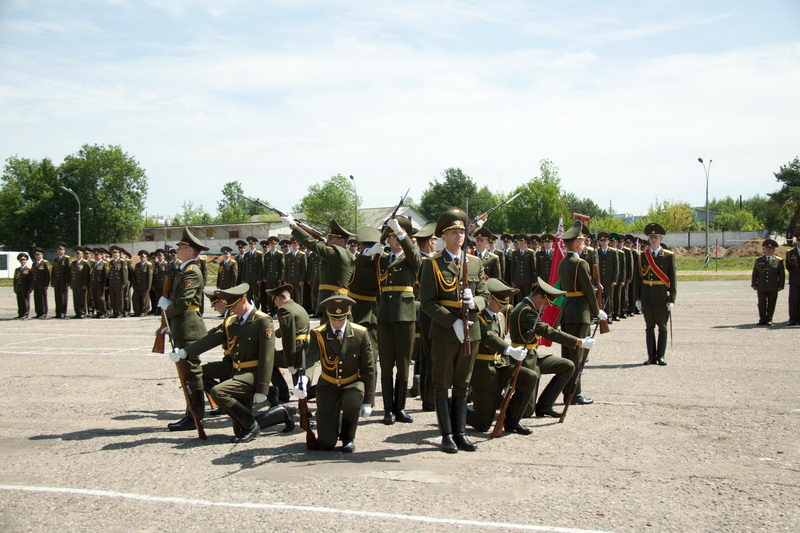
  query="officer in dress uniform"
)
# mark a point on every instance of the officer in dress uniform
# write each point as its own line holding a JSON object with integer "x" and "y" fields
{"x": 142, "y": 284}
{"x": 59, "y": 279}
{"x": 273, "y": 273}
{"x": 40, "y": 281}
{"x": 426, "y": 243}
{"x": 22, "y": 286}
{"x": 160, "y": 273}
{"x": 293, "y": 330}
{"x": 98, "y": 283}
{"x": 346, "y": 389}
{"x": 364, "y": 288}
{"x": 183, "y": 312}
{"x": 544, "y": 257}
{"x": 491, "y": 263}
{"x": 295, "y": 269}
{"x": 793, "y": 268}
{"x": 241, "y": 246}
{"x": 767, "y": 280}
{"x": 657, "y": 286}
{"x": 228, "y": 270}
{"x": 523, "y": 273}
{"x": 608, "y": 261}
{"x": 117, "y": 281}
{"x": 79, "y": 280}
{"x": 252, "y": 270}
{"x": 442, "y": 299}
{"x": 630, "y": 244}
{"x": 508, "y": 251}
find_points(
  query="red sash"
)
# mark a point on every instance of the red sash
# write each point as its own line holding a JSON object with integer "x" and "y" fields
{"x": 654, "y": 267}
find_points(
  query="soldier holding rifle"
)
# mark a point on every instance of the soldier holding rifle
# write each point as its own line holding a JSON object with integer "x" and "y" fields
{"x": 656, "y": 287}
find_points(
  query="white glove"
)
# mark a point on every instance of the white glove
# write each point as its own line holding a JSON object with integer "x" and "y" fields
{"x": 259, "y": 398}
{"x": 177, "y": 354}
{"x": 164, "y": 302}
{"x": 366, "y": 410}
{"x": 480, "y": 223}
{"x": 602, "y": 315}
{"x": 394, "y": 225}
{"x": 458, "y": 326}
{"x": 467, "y": 298}
{"x": 288, "y": 219}
{"x": 300, "y": 390}
{"x": 639, "y": 305}
{"x": 292, "y": 370}
{"x": 373, "y": 250}
{"x": 670, "y": 305}
{"x": 587, "y": 343}
{"x": 517, "y": 353}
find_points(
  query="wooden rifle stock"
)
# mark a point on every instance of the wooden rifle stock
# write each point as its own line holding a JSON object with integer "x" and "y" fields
{"x": 584, "y": 354}
{"x": 465, "y": 285}
{"x": 159, "y": 342}
{"x": 501, "y": 417}
{"x": 308, "y": 229}
{"x": 599, "y": 295}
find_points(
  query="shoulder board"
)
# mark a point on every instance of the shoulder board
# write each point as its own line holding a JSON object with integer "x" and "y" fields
{"x": 320, "y": 329}
{"x": 483, "y": 320}
{"x": 260, "y": 314}
{"x": 779, "y": 258}
{"x": 437, "y": 255}
{"x": 492, "y": 254}
{"x": 626, "y": 248}
{"x": 470, "y": 256}
{"x": 357, "y": 327}
{"x": 666, "y": 252}
{"x": 279, "y": 252}
{"x": 588, "y": 248}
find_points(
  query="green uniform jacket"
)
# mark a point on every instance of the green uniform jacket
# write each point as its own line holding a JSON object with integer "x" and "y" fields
{"x": 244, "y": 343}
{"x": 143, "y": 276}
{"x": 574, "y": 275}
{"x": 493, "y": 339}
{"x": 252, "y": 268}
{"x": 227, "y": 274}
{"x": 173, "y": 269}
{"x": 628, "y": 264}
{"x": 117, "y": 274}
{"x": 239, "y": 268}
{"x": 59, "y": 277}
{"x": 543, "y": 262}
{"x": 609, "y": 268}
{"x": 159, "y": 274}
{"x": 523, "y": 318}
{"x": 336, "y": 264}
{"x": 398, "y": 280}
{"x": 649, "y": 286}
{"x": 793, "y": 266}
{"x": 768, "y": 275}
{"x": 294, "y": 267}
{"x": 439, "y": 296}
{"x": 22, "y": 280}
{"x": 273, "y": 266}
{"x": 293, "y": 330}
{"x": 99, "y": 276}
{"x": 491, "y": 265}
{"x": 184, "y": 312}
{"x": 364, "y": 290}
{"x": 80, "y": 273}
{"x": 342, "y": 361}
{"x": 524, "y": 270}
{"x": 40, "y": 275}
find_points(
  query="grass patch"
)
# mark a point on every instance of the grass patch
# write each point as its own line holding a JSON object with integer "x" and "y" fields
{"x": 721, "y": 264}
{"x": 7, "y": 282}
{"x": 714, "y": 277}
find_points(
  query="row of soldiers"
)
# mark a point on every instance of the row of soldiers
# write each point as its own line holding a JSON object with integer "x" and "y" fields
{"x": 379, "y": 308}
{"x": 768, "y": 278}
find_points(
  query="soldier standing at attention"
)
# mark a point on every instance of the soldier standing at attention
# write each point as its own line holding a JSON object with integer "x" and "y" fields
{"x": 336, "y": 263}
{"x": 183, "y": 312}
{"x": 98, "y": 282}
{"x": 40, "y": 280}
{"x": 524, "y": 269}
{"x": 346, "y": 389}
{"x": 117, "y": 281}
{"x": 295, "y": 268}
{"x": 544, "y": 257}
{"x": 241, "y": 246}
{"x": 608, "y": 261}
{"x": 491, "y": 263}
{"x": 656, "y": 285}
{"x": 767, "y": 279}
{"x": 364, "y": 288}
{"x": 159, "y": 274}
{"x": 273, "y": 273}
{"x": 22, "y": 286}
{"x": 174, "y": 267}
{"x": 228, "y": 270}
{"x": 79, "y": 279}
{"x": 248, "y": 336}
{"x": 252, "y": 270}
{"x": 397, "y": 317}
{"x": 441, "y": 298}
{"x": 630, "y": 244}
{"x": 142, "y": 283}
{"x": 580, "y": 304}
{"x": 793, "y": 267}
{"x": 59, "y": 279}
{"x": 128, "y": 258}
{"x": 426, "y": 242}
{"x": 501, "y": 256}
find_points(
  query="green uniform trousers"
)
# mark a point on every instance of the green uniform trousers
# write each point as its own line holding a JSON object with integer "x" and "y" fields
{"x": 488, "y": 382}
{"x": 240, "y": 387}
{"x": 395, "y": 344}
{"x": 216, "y": 372}
{"x": 573, "y": 352}
{"x": 331, "y": 401}
{"x": 451, "y": 367}
{"x": 563, "y": 369}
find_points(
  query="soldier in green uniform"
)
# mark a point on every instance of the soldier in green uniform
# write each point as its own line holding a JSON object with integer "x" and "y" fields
{"x": 142, "y": 283}
{"x": 608, "y": 261}
{"x": 580, "y": 304}
{"x": 59, "y": 279}
{"x": 491, "y": 263}
{"x": 293, "y": 330}
{"x": 203, "y": 264}
{"x": 628, "y": 276}
{"x": 252, "y": 270}
{"x": 346, "y": 388}
{"x": 98, "y": 283}
{"x": 426, "y": 242}
{"x": 501, "y": 257}
{"x": 241, "y": 246}
{"x": 364, "y": 288}
{"x": 523, "y": 273}
{"x": 273, "y": 273}
{"x": 183, "y": 312}
{"x": 630, "y": 244}
{"x": 656, "y": 286}
{"x": 397, "y": 316}
{"x": 174, "y": 267}
{"x": 442, "y": 299}
{"x": 228, "y": 270}
{"x": 249, "y": 339}
{"x": 40, "y": 281}
{"x": 494, "y": 365}
{"x": 160, "y": 273}
{"x": 336, "y": 263}
{"x": 793, "y": 268}
{"x": 767, "y": 279}
{"x": 22, "y": 286}
{"x": 215, "y": 372}
{"x": 117, "y": 281}
{"x": 128, "y": 299}
{"x": 508, "y": 256}
{"x": 294, "y": 262}
{"x": 544, "y": 257}
{"x": 79, "y": 280}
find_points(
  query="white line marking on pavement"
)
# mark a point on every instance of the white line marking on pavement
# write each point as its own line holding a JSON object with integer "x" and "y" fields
{"x": 302, "y": 508}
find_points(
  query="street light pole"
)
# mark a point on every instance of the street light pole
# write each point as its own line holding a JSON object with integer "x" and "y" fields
{"x": 355, "y": 203}
{"x": 79, "y": 210}
{"x": 707, "y": 170}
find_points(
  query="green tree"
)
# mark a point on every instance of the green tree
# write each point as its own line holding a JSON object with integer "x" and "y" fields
{"x": 771, "y": 215}
{"x": 539, "y": 205}
{"x": 674, "y": 217}
{"x": 453, "y": 189}
{"x": 333, "y": 198}
{"x": 33, "y": 211}
{"x": 232, "y": 208}
{"x": 610, "y": 224}
{"x": 789, "y": 194}
{"x": 735, "y": 220}
{"x": 583, "y": 206}
{"x": 192, "y": 214}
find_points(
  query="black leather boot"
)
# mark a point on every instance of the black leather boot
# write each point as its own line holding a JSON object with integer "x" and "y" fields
{"x": 428, "y": 403}
{"x": 348, "y": 435}
{"x": 272, "y": 396}
{"x": 276, "y": 415}
{"x": 445, "y": 425}
{"x": 414, "y": 392}
{"x": 650, "y": 337}
{"x": 459, "y": 417}
{"x": 661, "y": 349}
{"x": 400, "y": 390}
{"x": 388, "y": 400}
{"x": 198, "y": 400}
{"x": 242, "y": 416}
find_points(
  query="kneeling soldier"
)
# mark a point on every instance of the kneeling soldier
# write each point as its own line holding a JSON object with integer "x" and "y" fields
{"x": 346, "y": 388}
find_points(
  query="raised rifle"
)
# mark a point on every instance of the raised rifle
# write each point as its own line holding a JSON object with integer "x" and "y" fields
{"x": 501, "y": 417}
{"x": 584, "y": 354}
{"x": 599, "y": 295}
{"x": 485, "y": 216}
{"x": 308, "y": 229}
{"x": 302, "y": 404}
{"x": 384, "y": 228}
{"x": 158, "y": 347}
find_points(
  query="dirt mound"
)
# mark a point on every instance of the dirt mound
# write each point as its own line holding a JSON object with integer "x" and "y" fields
{"x": 753, "y": 248}
{"x": 698, "y": 251}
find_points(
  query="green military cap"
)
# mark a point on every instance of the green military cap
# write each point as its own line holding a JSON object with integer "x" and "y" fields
{"x": 263, "y": 242}
{"x": 273, "y": 238}
{"x": 279, "y": 289}
{"x": 61, "y": 244}
{"x": 483, "y": 233}
{"x": 225, "y": 249}
{"x": 769, "y": 243}
{"x": 142, "y": 252}
{"x": 500, "y": 291}
{"x": 37, "y": 249}
{"x": 549, "y": 289}
{"x": 585, "y": 231}
{"x": 114, "y": 248}
{"x": 603, "y": 235}
{"x": 126, "y": 253}
{"x": 22, "y": 255}
{"x": 615, "y": 236}
{"x": 285, "y": 242}
{"x": 573, "y": 232}
{"x": 211, "y": 292}
{"x": 405, "y": 224}
{"x": 240, "y": 242}
{"x": 506, "y": 237}
{"x": 251, "y": 239}
{"x": 426, "y": 231}
{"x": 520, "y": 237}
{"x": 546, "y": 237}
{"x": 352, "y": 240}
{"x": 190, "y": 240}
{"x": 654, "y": 228}
{"x": 453, "y": 218}
{"x": 368, "y": 234}
{"x": 336, "y": 230}
{"x": 533, "y": 238}
{"x": 233, "y": 295}
{"x": 338, "y": 305}
{"x": 98, "y": 251}
{"x": 159, "y": 251}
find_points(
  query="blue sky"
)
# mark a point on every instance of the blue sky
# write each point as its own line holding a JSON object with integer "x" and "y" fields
{"x": 622, "y": 96}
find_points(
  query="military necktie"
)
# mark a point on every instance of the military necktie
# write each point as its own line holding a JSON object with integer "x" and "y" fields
{"x": 339, "y": 335}
{"x": 391, "y": 258}
{"x": 456, "y": 261}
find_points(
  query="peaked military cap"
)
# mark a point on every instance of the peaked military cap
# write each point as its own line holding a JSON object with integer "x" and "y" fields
{"x": 521, "y": 237}
{"x": 547, "y": 237}
{"x": 145, "y": 252}
{"x": 159, "y": 251}
{"x": 172, "y": 251}
{"x": 190, "y": 240}
{"x": 352, "y": 241}
{"x": 453, "y": 218}
{"x": 405, "y": 225}
{"x": 573, "y": 232}
{"x": 654, "y": 229}
{"x": 533, "y": 238}
{"x": 483, "y": 233}
{"x": 263, "y": 242}
{"x": 21, "y": 255}
{"x": 506, "y": 237}
{"x": 585, "y": 231}
{"x": 615, "y": 236}
{"x": 98, "y": 251}
{"x": 500, "y": 291}
{"x": 279, "y": 289}
{"x": 62, "y": 244}
{"x": 233, "y": 295}
{"x": 115, "y": 248}
{"x": 368, "y": 234}
{"x": 336, "y": 230}
{"x": 426, "y": 231}
{"x": 273, "y": 238}
{"x": 769, "y": 243}
{"x": 285, "y": 242}
{"x": 603, "y": 235}
{"x": 549, "y": 289}
{"x": 225, "y": 249}
{"x": 338, "y": 305}
{"x": 240, "y": 242}
{"x": 251, "y": 239}
{"x": 211, "y": 292}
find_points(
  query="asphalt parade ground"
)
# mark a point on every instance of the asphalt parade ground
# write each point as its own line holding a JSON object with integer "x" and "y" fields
{"x": 707, "y": 443}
